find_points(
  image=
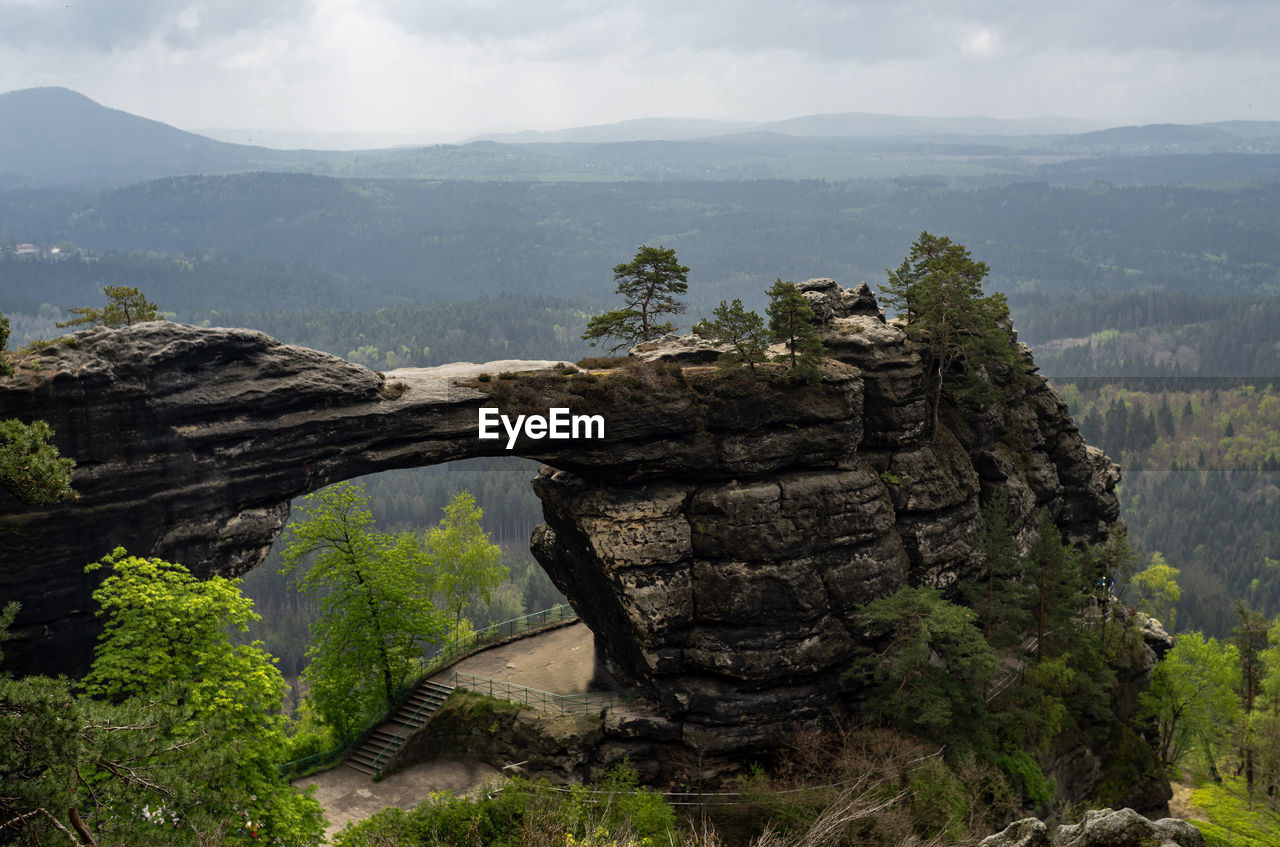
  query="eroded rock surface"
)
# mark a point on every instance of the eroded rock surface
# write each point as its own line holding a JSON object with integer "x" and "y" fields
{"x": 716, "y": 539}
{"x": 1100, "y": 828}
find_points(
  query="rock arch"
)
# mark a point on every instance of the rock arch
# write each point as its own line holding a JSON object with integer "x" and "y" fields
{"x": 716, "y": 539}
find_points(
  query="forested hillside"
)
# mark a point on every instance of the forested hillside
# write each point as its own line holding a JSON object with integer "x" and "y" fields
{"x": 379, "y": 242}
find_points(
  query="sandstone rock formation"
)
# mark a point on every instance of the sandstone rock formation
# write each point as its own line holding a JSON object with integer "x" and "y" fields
{"x": 1100, "y": 828}
{"x": 716, "y": 540}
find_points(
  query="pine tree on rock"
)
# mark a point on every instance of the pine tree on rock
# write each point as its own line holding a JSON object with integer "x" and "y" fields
{"x": 649, "y": 284}
{"x": 791, "y": 323}
{"x": 126, "y": 306}
{"x": 938, "y": 291}
{"x": 743, "y": 330}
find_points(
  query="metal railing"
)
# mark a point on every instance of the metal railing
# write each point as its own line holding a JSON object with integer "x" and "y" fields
{"x": 569, "y": 703}
{"x": 432, "y": 664}
{"x": 412, "y": 722}
{"x": 446, "y": 654}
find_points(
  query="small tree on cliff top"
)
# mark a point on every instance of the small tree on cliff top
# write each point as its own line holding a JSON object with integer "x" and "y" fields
{"x": 649, "y": 284}
{"x": 126, "y": 306}
{"x": 938, "y": 291}
{"x": 742, "y": 330}
{"x": 791, "y": 323}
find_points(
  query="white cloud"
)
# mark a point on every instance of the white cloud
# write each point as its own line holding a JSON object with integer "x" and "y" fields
{"x": 461, "y": 66}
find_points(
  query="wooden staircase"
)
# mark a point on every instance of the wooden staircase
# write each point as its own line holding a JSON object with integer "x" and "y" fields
{"x": 381, "y": 746}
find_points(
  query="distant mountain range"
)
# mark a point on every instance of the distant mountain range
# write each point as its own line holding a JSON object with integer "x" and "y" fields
{"x": 845, "y": 125}
{"x": 57, "y": 137}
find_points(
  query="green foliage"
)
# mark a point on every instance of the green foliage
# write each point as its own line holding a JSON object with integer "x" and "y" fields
{"x": 616, "y": 811}
{"x": 938, "y": 290}
{"x": 642, "y": 811}
{"x": 1194, "y": 699}
{"x": 463, "y": 567}
{"x": 31, "y": 469}
{"x": 998, "y": 595}
{"x": 1158, "y": 591}
{"x": 1027, "y": 777}
{"x": 185, "y": 749}
{"x": 1231, "y": 819}
{"x": 374, "y": 613}
{"x": 649, "y": 285}
{"x": 939, "y": 802}
{"x": 791, "y": 323}
{"x": 6, "y": 369}
{"x": 930, "y": 669}
{"x": 742, "y": 329}
{"x": 1056, "y": 580}
{"x": 126, "y": 306}
{"x": 496, "y": 820}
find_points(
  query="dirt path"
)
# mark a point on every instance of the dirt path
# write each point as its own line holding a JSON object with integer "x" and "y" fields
{"x": 561, "y": 661}
{"x": 1180, "y": 804}
{"x": 348, "y": 795}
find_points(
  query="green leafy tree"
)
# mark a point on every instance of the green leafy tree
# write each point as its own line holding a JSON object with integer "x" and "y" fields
{"x": 1251, "y": 641}
{"x": 126, "y": 306}
{"x": 375, "y": 614}
{"x": 930, "y": 668}
{"x": 791, "y": 323}
{"x": 1194, "y": 698}
{"x": 938, "y": 291}
{"x": 74, "y": 770}
{"x": 31, "y": 468}
{"x": 165, "y": 646}
{"x": 1158, "y": 590}
{"x": 1265, "y": 720}
{"x": 649, "y": 284}
{"x": 463, "y": 566}
{"x": 743, "y": 330}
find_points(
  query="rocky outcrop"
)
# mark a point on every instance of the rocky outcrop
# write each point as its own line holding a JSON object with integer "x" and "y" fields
{"x": 1100, "y": 828}
{"x": 716, "y": 538}
{"x": 684, "y": 349}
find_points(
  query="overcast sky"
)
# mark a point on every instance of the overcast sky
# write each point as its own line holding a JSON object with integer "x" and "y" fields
{"x": 449, "y": 68}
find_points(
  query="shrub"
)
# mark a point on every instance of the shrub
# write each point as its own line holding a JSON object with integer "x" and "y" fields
{"x": 1026, "y": 777}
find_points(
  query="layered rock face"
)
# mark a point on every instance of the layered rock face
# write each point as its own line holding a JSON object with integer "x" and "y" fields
{"x": 730, "y": 601}
{"x": 716, "y": 539}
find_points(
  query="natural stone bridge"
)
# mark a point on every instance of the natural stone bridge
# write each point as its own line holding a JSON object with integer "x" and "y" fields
{"x": 716, "y": 540}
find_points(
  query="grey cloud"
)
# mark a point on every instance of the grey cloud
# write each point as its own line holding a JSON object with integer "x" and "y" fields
{"x": 1192, "y": 26}
{"x": 867, "y": 30}
{"x": 596, "y": 27}
{"x": 107, "y": 25}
